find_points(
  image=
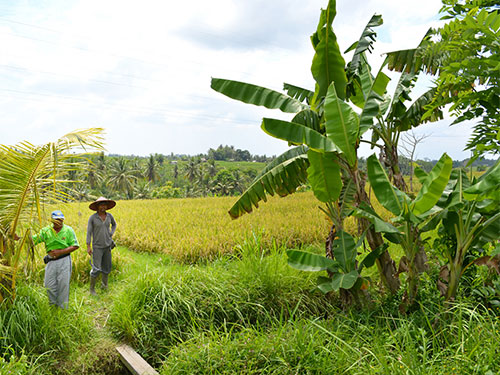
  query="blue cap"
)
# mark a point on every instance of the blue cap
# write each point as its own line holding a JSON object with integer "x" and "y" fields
{"x": 57, "y": 215}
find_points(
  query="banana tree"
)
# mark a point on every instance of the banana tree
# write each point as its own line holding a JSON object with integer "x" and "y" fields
{"x": 325, "y": 129}
{"x": 29, "y": 177}
{"x": 410, "y": 215}
{"x": 470, "y": 220}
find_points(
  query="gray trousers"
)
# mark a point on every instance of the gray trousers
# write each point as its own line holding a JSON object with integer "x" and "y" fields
{"x": 57, "y": 278}
{"x": 101, "y": 261}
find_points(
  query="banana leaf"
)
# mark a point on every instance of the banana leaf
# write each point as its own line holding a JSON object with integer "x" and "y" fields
{"x": 433, "y": 187}
{"x": 487, "y": 186}
{"x": 366, "y": 212}
{"x": 299, "y": 93}
{"x": 369, "y": 260}
{"x": 328, "y": 64}
{"x": 390, "y": 197}
{"x": 365, "y": 43}
{"x": 373, "y": 105}
{"x": 282, "y": 178}
{"x": 298, "y": 134}
{"x": 306, "y": 261}
{"x": 308, "y": 118}
{"x": 342, "y": 125}
{"x": 344, "y": 251}
{"x": 324, "y": 175}
{"x": 257, "y": 95}
{"x": 344, "y": 280}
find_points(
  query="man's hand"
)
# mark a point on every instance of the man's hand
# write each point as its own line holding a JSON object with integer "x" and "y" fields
{"x": 89, "y": 250}
{"x": 60, "y": 252}
{"x": 53, "y": 253}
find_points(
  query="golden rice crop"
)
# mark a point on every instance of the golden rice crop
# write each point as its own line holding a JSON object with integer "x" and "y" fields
{"x": 193, "y": 228}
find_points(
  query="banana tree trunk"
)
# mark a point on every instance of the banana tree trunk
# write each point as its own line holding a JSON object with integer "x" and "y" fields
{"x": 390, "y": 160}
{"x": 386, "y": 266}
{"x": 451, "y": 292}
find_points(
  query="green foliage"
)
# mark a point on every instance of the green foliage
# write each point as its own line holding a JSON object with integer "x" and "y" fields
{"x": 31, "y": 176}
{"x": 343, "y": 272}
{"x": 10, "y": 364}
{"x": 256, "y": 95}
{"x": 411, "y": 215}
{"x": 163, "y": 308}
{"x": 465, "y": 56}
{"x": 351, "y": 343}
{"x": 30, "y": 325}
{"x": 470, "y": 220}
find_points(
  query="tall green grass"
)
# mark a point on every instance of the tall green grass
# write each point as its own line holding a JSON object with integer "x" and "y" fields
{"x": 32, "y": 326}
{"x": 34, "y": 334}
{"x": 11, "y": 364}
{"x": 356, "y": 343}
{"x": 166, "y": 306}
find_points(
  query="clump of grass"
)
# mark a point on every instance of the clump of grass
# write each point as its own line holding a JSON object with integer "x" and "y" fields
{"x": 354, "y": 343}
{"x": 169, "y": 305}
{"x": 30, "y": 325}
{"x": 90, "y": 358}
{"x": 10, "y": 363}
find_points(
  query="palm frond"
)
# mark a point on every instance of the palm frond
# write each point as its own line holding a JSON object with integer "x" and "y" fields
{"x": 29, "y": 177}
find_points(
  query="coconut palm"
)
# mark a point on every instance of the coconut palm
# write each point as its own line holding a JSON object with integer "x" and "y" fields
{"x": 122, "y": 177}
{"x": 151, "y": 172}
{"x": 31, "y": 176}
{"x": 192, "y": 169}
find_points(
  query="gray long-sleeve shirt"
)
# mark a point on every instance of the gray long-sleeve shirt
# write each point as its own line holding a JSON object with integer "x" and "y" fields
{"x": 100, "y": 232}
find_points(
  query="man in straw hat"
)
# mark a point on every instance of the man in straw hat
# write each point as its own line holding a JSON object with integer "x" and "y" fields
{"x": 100, "y": 230}
{"x": 60, "y": 240}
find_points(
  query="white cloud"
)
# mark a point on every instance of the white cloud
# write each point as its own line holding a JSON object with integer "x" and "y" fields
{"x": 142, "y": 69}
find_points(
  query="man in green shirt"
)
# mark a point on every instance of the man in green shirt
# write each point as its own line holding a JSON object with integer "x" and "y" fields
{"x": 60, "y": 240}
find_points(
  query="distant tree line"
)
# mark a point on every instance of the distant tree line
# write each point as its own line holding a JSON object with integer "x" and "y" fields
{"x": 229, "y": 153}
{"x": 220, "y": 172}
{"x": 427, "y": 164}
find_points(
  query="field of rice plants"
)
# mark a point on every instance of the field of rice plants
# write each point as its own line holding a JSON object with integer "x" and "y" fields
{"x": 200, "y": 228}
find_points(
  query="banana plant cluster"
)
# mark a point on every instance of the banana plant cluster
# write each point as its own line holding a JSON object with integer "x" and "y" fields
{"x": 325, "y": 130}
{"x": 411, "y": 215}
{"x": 469, "y": 221}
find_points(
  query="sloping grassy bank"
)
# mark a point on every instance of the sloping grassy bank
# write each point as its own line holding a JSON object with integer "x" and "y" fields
{"x": 252, "y": 314}
{"x": 347, "y": 344}
{"x": 164, "y": 307}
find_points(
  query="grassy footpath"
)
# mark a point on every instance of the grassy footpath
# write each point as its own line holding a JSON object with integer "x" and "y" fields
{"x": 246, "y": 313}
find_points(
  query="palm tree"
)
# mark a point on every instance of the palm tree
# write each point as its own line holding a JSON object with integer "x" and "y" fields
{"x": 143, "y": 190}
{"x": 122, "y": 177}
{"x": 31, "y": 176}
{"x": 96, "y": 170}
{"x": 192, "y": 169}
{"x": 151, "y": 169}
{"x": 211, "y": 168}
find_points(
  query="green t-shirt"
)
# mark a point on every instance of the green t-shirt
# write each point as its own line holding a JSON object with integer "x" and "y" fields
{"x": 55, "y": 241}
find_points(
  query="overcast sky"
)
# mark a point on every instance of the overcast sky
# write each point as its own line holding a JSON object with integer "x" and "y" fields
{"x": 142, "y": 69}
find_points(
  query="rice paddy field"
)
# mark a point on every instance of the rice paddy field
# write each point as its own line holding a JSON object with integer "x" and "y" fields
{"x": 192, "y": 229}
